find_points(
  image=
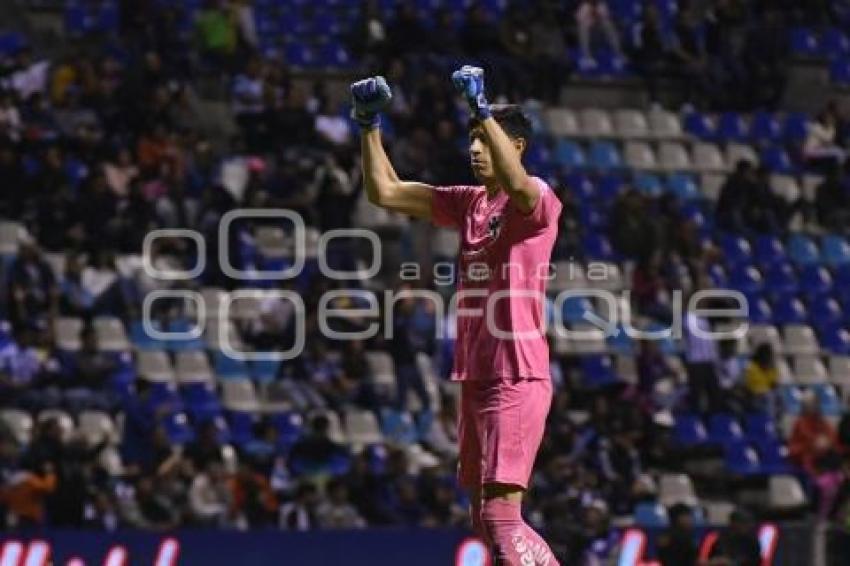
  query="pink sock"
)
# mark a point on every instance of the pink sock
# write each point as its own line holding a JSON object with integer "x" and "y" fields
{"x": 513, "y": 542}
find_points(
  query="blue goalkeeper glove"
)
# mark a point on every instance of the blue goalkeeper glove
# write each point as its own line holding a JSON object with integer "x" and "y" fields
{"x": 368, "y": 98}
{"x": 469, "y": 82}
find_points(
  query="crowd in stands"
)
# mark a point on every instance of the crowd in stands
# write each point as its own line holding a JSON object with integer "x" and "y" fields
{"x": 112, "y": 139}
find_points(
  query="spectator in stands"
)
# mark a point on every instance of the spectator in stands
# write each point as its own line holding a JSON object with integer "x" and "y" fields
{"x": 820, "y": 147}
{"x": 32, "y": 287}
{"x": 689, "y": 55}
{"x": 730, "y": 370}
{"x": 761, "y": 378}
{"x": 300, "y": 513}
{"x": 594, "y": 22}
{"x": 149, "y": 508}
{"x": 205, "y": 450}
{"x": 733, "y": 199}
{"x": 677, "y": 545}
{"x": 765, "y": 211}
{"x": 832, "y": 199}
{"x": 253, "y": 502}
{"x": 632, "y": 231}
{"x": 316, "y": 453}
{"x": 87, "y": 376}
{"x": 652, "y": 369}
{"x": 405, "y": 343}
{"x": 406, "y": 34}
{"x": 650, "y": 51}
{"x": 701, "y": 359}
{"x": 552, "y": 68}
{"x": 369, "y": 35}
{"x": 599, "y": 539}
{"x": 649, "y": 290}
{"x": 815, "y": 447}
{"x": 23, "y": 494}
{"x": 24, "y": 370}
{"x": 209, "y": 498}
{"x": 619, "y": 465}
{"x": 738, "y": 544}
{"x": 248, "y": 100}
{"x": 217, "y": 32}
{"x": 336, "y": 511}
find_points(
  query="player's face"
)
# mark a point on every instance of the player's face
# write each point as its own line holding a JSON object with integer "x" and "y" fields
{"x": 479, "y": 156}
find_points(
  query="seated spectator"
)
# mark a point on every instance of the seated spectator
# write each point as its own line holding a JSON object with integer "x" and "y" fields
{"x": 761, "y": 378}
{"x": 209, "y": 497}
{"x": 599, "y": 540}
{"x": 87, "y": 375}
{"x": 217, "y": 31}
{"x": 253, "y": 503}
{"x": 832, "y": 199}
{"x": 652, "y": 368}
{"x": 33, "y": 295}
{"x": 595, "y": 23}
{"x": 24, "y": 494}
{"x": 74, "y": 299}
{"x": 651, "y": 51}
{"x": 820, "y": 148}
{"x": 677, "y": 545}
{"x": 336, "y": 511}
{"x": 649, "y": 290}
{"x": 738, "y": 544}
{"x": 734, "y": 198}
{"x": 730, "y": 370}
{"x": 205, "y": 450}
{"x": 149, "y": 508}
{"x": 300, "y": 513}
{"x": 332, "y": 127}
{"x": 22, "y": 370}
{"x": 316, "y": 453}
{"x": 633, "y": 233}
{"x": 765, "y": 211}
{"x": 815, "y": 447}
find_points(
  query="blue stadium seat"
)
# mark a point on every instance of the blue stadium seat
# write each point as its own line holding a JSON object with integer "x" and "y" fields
{"x": 796, "y": 127}
{"x": 803, "y": 250}
{"x": 815, "y": 280}
{"x": 791, "y": 399}
{"x": 609, "y": 187}
{"x": 592, "y": 218}
{"x": 241, "y": 425}
{"x": 777, "y": 160}
{"x": 834, "y": 43}
{"x": 724, "y": 429}
{"x": 398, "y": 426}
{"x": 836, "y": 340}
{"x": 11, "y": 42}
{"x": 781, "y": 279}
{"x": 804, "y": 42}
{"x": 764, "y": 127}
{"x": 842, "y": 276}
{"x": 699, "y": 125}
{"x": 760, "y": 427}
{"x": 789, "y": 310}
{"x": 581, "y": 185}
{"x": 201, "y": 401}
{"x": 839, "y": 72}
{"x": 773, "y": 457}
{"x": 598, "y": 247}
{"x": 648, "y": 183}
{"x": 736, "y": 250}
{"x": 574, "y": 309}
{"x": 142, "y": 340}
{"x": 605, "y": 156}
{"x": 300, "y": 55}
{"x": 828, "y": 399}
{"x": 334, "y": 55}
{"x": 569, "y": 154}
{"x": 769, "y": 250}
{"x": 620, "y": 342}
{"x": 265, "y": 370}
{"x": 760, "y": 311}
{"x": 229, "y": 368}
{"x": 835, "y": 250}
{"x": 689, "y": 430}
{"x": 290, "y": 428}
{"x": 717, "y": 275}
{"x": 684, "y": 186}
{"x": 651, "y": 516}
{"x": 825, "y": 311}
{"x": 745, "y": 278}
{"x": 741, "y": 459}
{"x": 181, "y": 326}
{"x": 598, "y": 371}
{"x": 177, "y": 428}
{"x": 731, "y": 128}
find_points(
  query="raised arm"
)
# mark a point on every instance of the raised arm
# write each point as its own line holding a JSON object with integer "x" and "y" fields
{"x": 383, "y": 187}
{"x": 505, "y": 152}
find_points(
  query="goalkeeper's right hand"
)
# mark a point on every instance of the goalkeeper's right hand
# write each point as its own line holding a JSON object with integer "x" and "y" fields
{"x": 368, "y": 98}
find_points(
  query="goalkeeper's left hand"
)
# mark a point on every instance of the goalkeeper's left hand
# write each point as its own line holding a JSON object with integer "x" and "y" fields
{"x": 469, "y": 82}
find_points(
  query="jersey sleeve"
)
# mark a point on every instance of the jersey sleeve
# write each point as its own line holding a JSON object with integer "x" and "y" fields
{"x": 449, "y": 205}
{"x": 547, "y": 209}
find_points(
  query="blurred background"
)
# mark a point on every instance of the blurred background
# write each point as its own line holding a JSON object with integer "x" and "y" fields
{"x": 695, "y": 145}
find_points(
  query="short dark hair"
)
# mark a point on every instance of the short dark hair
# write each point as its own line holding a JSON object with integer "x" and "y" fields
{"x": 512, "y": 119}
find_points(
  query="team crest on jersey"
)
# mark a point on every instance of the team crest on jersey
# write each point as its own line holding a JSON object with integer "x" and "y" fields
{"x": 494, "y": 226}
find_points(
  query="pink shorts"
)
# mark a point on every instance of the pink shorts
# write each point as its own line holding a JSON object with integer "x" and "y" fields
{"x": 500, "y": 427}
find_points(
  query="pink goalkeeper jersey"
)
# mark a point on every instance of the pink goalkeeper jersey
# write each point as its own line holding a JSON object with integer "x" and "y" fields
{"x": 503, "y": 266}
